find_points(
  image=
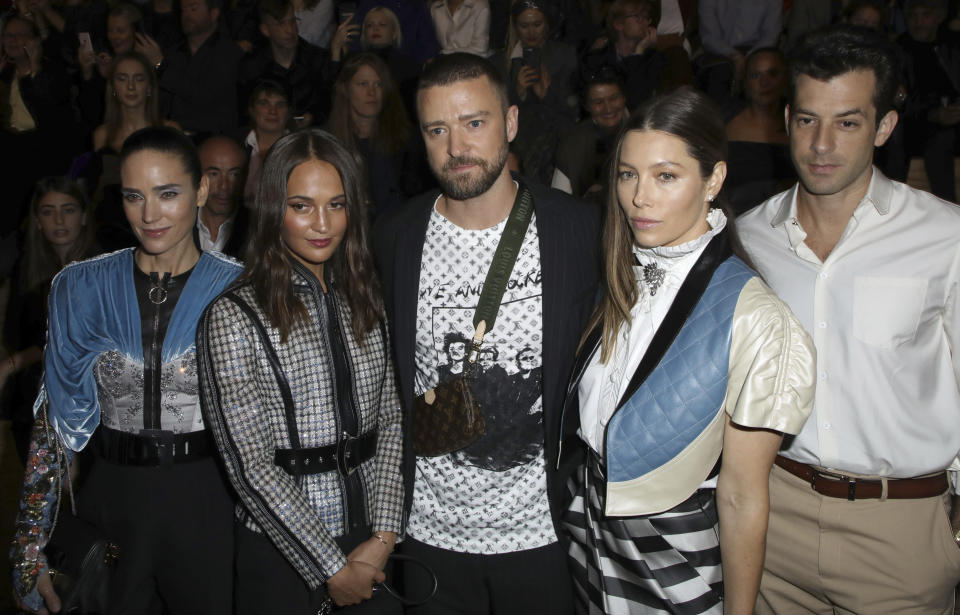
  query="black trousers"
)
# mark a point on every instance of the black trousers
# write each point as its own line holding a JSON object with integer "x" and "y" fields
{"x": 531, "y": 582}
{"x": 266, "y": 583}
{"x": 174, "y": 527}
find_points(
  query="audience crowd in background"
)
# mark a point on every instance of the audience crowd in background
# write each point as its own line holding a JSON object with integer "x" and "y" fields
{"x": 77, "y": 77}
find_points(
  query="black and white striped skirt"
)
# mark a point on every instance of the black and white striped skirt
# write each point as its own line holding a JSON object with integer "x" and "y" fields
{"x": 663, "y": 563}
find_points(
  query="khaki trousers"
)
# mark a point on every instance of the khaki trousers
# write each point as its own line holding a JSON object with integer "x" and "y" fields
{"x": 871, "y": 557}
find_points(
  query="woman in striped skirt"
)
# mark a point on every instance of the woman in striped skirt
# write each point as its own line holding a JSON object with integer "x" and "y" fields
{"x": 688, "y": 353}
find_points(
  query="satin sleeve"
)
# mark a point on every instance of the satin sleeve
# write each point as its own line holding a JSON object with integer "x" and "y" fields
{"x": 772, "y": 372}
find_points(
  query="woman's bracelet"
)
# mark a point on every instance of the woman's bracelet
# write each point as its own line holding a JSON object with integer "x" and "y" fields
{"x": 383, "y": 541}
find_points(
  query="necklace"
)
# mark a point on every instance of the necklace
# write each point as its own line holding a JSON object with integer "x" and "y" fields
{"x": 158, "y": 291}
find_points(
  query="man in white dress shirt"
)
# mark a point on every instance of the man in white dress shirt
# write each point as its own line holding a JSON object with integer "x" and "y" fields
{"x": 860, "y": 516}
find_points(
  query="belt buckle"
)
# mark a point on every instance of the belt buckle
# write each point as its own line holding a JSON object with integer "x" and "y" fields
{"x": 344, "y": 454}
{"x": 836, "y": 478}
{"x": 163, "y": 440}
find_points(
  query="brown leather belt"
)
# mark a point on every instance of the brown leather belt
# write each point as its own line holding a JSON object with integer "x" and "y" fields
{"x": 838, "y": 485}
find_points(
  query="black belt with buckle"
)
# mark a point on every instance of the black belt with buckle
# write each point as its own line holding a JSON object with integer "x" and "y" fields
{"x": 152, "y": 447}
{"x": 345, "y": 456}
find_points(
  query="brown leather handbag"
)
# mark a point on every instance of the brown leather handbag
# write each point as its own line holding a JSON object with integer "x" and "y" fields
{"x": 448, "y": 418}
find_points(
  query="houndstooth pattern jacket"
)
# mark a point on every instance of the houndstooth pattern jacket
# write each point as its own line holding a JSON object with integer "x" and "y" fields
{"x": 244, "y": 410}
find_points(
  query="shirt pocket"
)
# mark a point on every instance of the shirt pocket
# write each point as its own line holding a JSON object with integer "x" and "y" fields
{"x": 886, "y": 311}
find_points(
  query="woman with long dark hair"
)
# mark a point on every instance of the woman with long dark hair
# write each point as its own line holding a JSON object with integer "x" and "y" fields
{"x": 298, "y": 388}
{"x": 59, "y": 231}
{"x": 688, "y": 353}
{"x": 120, "y": 375}
{"x": 368, "y": 116}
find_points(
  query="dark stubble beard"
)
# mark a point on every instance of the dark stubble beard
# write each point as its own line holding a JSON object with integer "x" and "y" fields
{"x": 468, "y": 186}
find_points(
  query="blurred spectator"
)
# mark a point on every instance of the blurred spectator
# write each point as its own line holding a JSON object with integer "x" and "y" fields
{"x": 541, "y": 84}
{"x": 269, "y": 111}
{"x": 419, "y": 39}
{"x": 37, "y": 120}
{"x": 758, "y": 160}
{"x": 317, "y": 19}
{"x": 871, "y": 14}
{"x": 583, "y": 153}
{"x": 729, "y": 30}
{"x": 462, "y": 25}
{"x": 289, "y": 59}
{"x": 222, "y": 222}
{"x": 380, "y": 33}
{"x": 369, "y": 119}
{"x": 631, "y": 44}
{"x": 932, "y": 111}
{"x": 131, "y": 104}
{"x": 59, "y": 230}
{"x": 198, "y": 81}
{"x": 124, "y": 33}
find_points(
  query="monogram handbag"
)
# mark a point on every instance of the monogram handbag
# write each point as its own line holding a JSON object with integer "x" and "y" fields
{"x": 447, "y": 418}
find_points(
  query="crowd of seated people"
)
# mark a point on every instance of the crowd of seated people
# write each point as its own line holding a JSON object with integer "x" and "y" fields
{"x": 77, "y": 77}
{"x": 68, "y": 106}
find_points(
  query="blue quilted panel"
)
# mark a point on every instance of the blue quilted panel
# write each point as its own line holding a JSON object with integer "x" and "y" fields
{"x": 682, "y": 395}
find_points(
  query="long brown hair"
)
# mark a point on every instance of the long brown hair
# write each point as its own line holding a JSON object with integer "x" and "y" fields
{"x": 393, "y": 125}
{"x": 42, "y": 261}
{"x": 692, "y": 117}
{"x": 113, "y": 118}
{"x": 268, "y": 268}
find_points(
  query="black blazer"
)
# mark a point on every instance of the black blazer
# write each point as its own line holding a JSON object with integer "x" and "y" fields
{"x": 237, "y": 241}
{"x": 569, "y": 232}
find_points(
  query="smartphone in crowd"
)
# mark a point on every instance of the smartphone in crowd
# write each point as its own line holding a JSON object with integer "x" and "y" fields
{"x": 85, "y": 43}
{"x": 531, "y": 58}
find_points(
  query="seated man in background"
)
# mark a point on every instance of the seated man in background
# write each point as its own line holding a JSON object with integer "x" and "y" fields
{"x": 289, "y": 59}
{"x": 583, "y": 153}
{"x": 222, "y": 222}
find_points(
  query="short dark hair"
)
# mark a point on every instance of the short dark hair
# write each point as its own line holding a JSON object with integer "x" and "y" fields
{"x": 455, "y": 67}
{"x": 267, "y": 85}
{"x": 274, "y": 9}
{"x": 168, "y": 141}
{"x": 840, "y": 49}
{"x": 602, "y": 74}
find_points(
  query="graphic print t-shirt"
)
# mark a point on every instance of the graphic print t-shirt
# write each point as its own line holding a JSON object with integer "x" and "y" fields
{"x": 490, "y": 497}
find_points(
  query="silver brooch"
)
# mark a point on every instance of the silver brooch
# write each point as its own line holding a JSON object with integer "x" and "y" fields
{"x": 653, "y": 276}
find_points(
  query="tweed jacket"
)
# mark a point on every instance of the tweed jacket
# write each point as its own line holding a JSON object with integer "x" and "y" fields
{"x": 244, "y": 410}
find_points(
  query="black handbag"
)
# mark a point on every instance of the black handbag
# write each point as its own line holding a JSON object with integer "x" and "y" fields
{"x": 82, "y": 563}
{"x": 447, "y": 418}
{"x": 327, "y": 605}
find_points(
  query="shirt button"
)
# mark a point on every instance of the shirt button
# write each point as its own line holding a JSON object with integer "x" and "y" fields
{"x": 827, "y": 425}
{"x": 823, "y": 324}
{"x": 824, "y": 275}
{"x": 823, "y": 375}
